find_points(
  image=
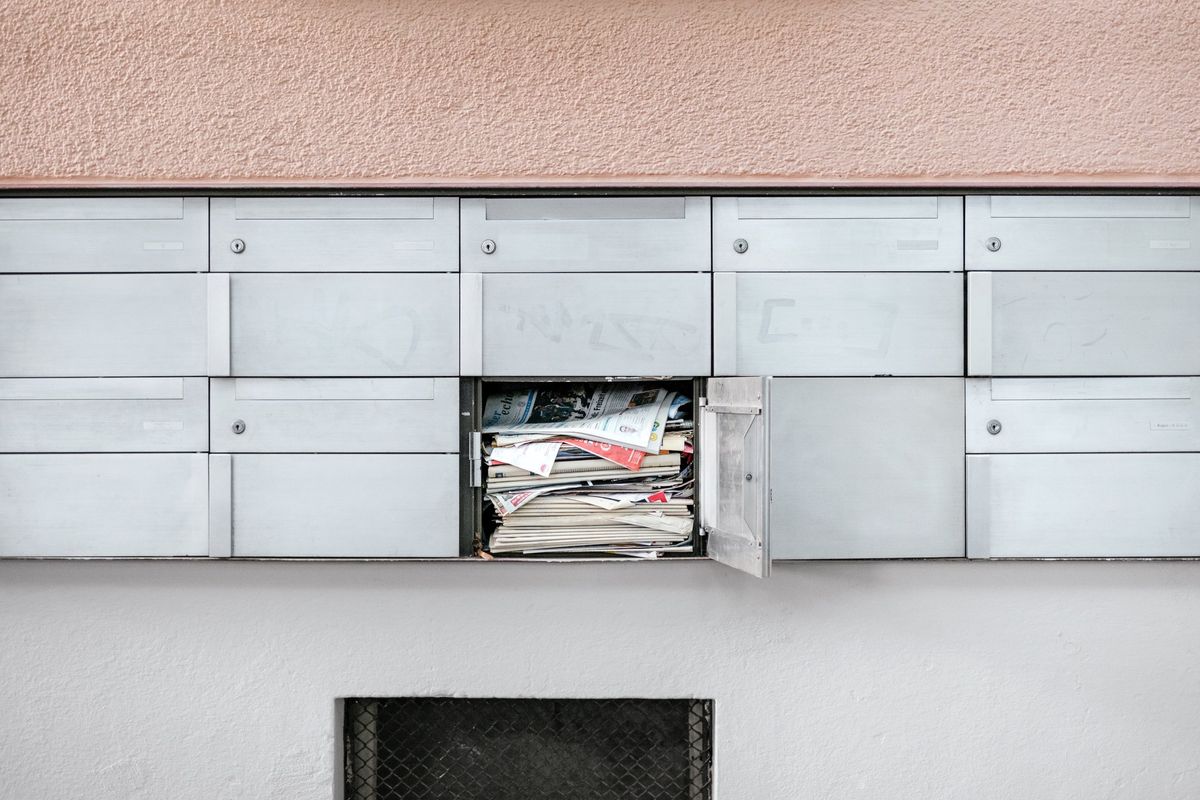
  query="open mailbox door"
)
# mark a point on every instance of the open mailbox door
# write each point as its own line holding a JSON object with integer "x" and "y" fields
{"x": 734, "y": 488}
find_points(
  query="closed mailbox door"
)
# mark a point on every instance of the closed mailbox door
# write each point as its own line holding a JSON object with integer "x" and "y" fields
{"x": 335, "y": 234}
{"x": 901, "y": 234}
{"x": 1083, "y": 324}
{"x": 104, "y": 234}
{"x": 1083, "y": 415}
{"x": 586, "y": 324}
{"x": 337, "y": 506}
{"x": 335, "y": 415}
{"x": 99, "y": 415}
{"x": 586, "y": 234}
{"x": 335, "y": 325}
{"x": 103, "y": 505}
{"x": 1077, "y": 232}
{"x": 102, "y": 325}
{"x": 838, "y": 324}
{"x": 1083, "y": 467}
{"x": 1096, "y": 505}
{"x": 867, "y": 468}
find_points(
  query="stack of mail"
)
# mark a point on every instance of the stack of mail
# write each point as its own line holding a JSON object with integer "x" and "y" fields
{"x": 589, "y": 469}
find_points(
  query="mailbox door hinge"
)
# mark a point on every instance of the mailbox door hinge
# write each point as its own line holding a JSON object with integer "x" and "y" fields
{"x": 475, "y": 458}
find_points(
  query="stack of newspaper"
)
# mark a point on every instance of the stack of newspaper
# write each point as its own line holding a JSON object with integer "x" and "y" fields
{"x": 596, "y": 468}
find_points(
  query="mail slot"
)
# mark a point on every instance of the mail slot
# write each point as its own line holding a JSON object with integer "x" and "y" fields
{"x": 1096, "y": 505}
{"x": 335, "y": 234}
{"x": 335, "y": 415}
{"x": 837, "y": 324}
{"x": 104, "y": 234}
{"x": 102, "y": 325}
{"x": 337, "y": 506}
{"x": 103, "y": 505}
{"x": 335, "y": 325}
{"x": 1081, "y": 415}
{"x": 586, "y": 234}
{"x": 866, "y": 468}
{"x": 1083, "y": 323}
{"x": 99, "y": 415}
{"x": 1083, "y": 232}
{"x": 586, "y": 324}
{"x": 893, "y": 234}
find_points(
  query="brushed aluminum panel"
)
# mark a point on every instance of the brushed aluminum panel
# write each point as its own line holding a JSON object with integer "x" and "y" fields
{"x": 335, "y": 415}
{"x": 104, "y": 505}
{"x": 345, "y": 506}
{"x": 1134, "y": 505}
{"x": 838, "y": 234}
{"x": 1083, "y": 232}
{"x": 867, "y": 468}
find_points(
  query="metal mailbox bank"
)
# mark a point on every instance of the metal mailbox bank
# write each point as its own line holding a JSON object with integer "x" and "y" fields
{"x": 1007, "y": 376}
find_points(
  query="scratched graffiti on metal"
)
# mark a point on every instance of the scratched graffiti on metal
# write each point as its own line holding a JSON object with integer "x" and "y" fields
{"x": 859, "y": 327}
{"x": 638, "y": 335}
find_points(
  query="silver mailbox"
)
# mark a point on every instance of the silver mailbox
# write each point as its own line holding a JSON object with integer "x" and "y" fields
{"x": 837, "y": 324}
{"x": 335, "y": 325}
{"x": 104, "y": 234}
{"x": 586, "y": 324}
{"x": 1083, "y": 323}
{"x": 1081, "y": 415}
{"x": 82, "y": 415}
{"x": 335, "y": 506}
{"x": 895, "y": 234}
{"x": 335, "y": 415}
{"x": 586, "y": 234}
{"x": 1082, "y": 467}
{"x": 1083, "y": 232}
{"x": 102, "y": 325}
{"x": 335, "y": 234}
{"x": 867, "y": 468}
{"x": 103, "y": 505}
{"x": 1083, "y": 505}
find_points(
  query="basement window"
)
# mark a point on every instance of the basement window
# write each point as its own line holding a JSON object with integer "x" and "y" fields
{"x": 449, "y": 748}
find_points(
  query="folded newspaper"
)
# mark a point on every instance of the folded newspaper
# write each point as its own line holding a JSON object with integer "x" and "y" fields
{"x": 603, "y": 469}
{"x": 632, "y": 416}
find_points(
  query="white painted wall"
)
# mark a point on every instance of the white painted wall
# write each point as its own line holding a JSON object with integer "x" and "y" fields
{"x": 215, "y": 681}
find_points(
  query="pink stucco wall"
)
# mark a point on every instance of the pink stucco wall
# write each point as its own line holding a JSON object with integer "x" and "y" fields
{"x": 512, "y": 91}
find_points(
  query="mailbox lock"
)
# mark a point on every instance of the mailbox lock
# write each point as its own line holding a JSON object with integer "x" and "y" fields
{"x": 992, "y": 244}
{"x": 994, "y": 427}
{"x": 740, "y": 245}
{"x": 749, "y": 477}
{"x": 239, "y": 426}
{"x": 488, "y": 246}
{"x": 237, "y": 246}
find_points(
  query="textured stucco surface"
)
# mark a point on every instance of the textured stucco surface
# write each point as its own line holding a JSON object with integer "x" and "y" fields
{"x": 216, "y": 681}
{"x": 437, "y": 91}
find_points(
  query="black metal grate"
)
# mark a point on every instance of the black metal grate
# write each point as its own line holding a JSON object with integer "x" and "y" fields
{"x": 446, "y": 748}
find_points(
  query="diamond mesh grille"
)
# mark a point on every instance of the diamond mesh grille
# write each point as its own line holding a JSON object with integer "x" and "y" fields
{"x": 445, "y": 748}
